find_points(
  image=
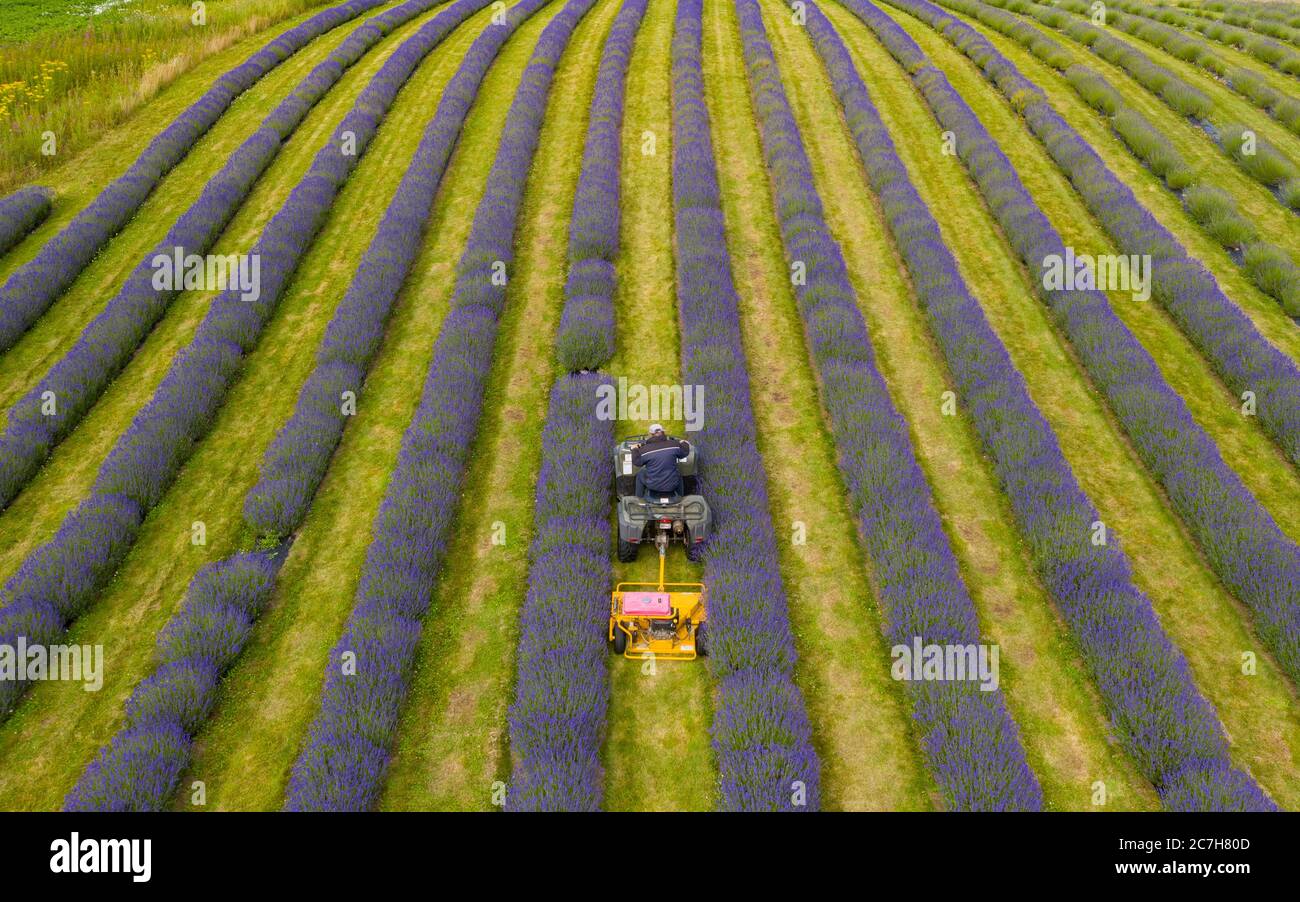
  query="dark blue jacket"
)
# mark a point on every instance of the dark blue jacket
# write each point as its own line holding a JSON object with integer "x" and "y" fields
{"x": 659, "y": 457}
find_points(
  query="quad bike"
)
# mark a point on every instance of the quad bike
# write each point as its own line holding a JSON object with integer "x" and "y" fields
{"x": 686, "y": 518}
{"x": 658, "y": 620}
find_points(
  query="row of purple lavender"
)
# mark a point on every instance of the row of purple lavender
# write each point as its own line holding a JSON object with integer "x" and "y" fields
{"x": 1237, "y": 535}
{"x": 108, "y": 343}
{"x": 762, "y": 738}
{"x": 1179, "y": 44}
{"x": 61, "y": 578}
{"x": 345, "y": 758}
{"x": 1281, "y": 21}
{"x": 21, "y": 212}
{"x": 31, "y": 289}
{"x": 1225, "y": 336}
{"x": 557, "y": 721}
{"x": 139, "y": 767}
{"x": 1161, "y": 718}
{"x": 1267, "y": 51}
{"x": 970, "y": 742}
{"x": 1267, "y": 265}
{"x": 111, "y": 339}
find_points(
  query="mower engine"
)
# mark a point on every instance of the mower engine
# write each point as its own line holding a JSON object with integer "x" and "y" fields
{"x": 664, "y": 621}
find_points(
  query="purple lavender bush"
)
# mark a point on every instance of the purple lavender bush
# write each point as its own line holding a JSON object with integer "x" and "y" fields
{"x": 1159, "y": 715}
{"x": 137, "y": 771}
{"x": 585, "y": 339}
{"x": 344, "y": 761}
{"x": 21, "y": 212}
{"x": 557, "y": 721}
{"x": 1178, "y": 43}
{"x": 979, "y": 765}
{"x": 1267, "y": 51}
{"x": 1238, "y": 537}
{"x": 1176, "y": 93}
{"x": 67, "y": 572}
{"x": 296, "y": 460}
{"x": 1281, "y": 21}
{"x": 226, "y": 597}
{"x": 1282, "y": 107}
{"x": 56, "y": 581}
{"x": 139, "y": 768}
{"x": 108, "y": 343}
{"x": 1280, "y": 278}
{"x": 30, "y": 290}
{"x": 762, "y": 738}
{"x": 1213, "y": 786}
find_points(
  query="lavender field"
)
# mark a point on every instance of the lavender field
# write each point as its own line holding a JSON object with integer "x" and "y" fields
{"x": 982, "y": 318}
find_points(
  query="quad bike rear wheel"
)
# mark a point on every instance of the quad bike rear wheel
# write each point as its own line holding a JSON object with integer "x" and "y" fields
{"x": 627, "y": 551}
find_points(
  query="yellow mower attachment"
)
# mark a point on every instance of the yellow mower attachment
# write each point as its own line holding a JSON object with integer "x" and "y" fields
{"x": 658, "y": 620}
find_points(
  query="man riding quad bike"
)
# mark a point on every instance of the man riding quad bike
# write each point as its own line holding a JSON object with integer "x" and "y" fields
{"x": 655, "y": 477}
{"x": 658, "y": 475}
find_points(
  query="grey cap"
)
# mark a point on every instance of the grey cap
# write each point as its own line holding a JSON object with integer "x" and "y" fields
{"x": 655, "y": 427}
